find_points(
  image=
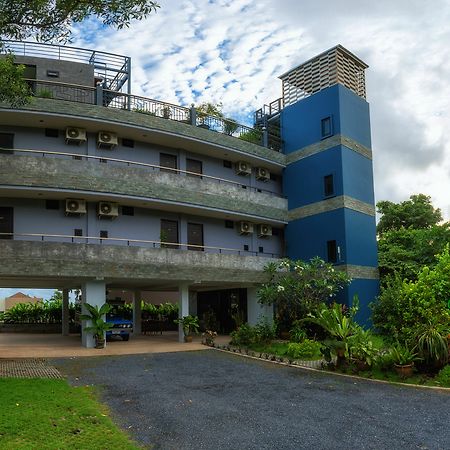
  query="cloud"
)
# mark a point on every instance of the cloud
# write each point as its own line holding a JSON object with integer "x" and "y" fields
{"x": 233, "y": 51}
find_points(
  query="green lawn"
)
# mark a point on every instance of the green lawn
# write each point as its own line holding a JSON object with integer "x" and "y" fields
{"x": 49, "y": 414}
{"x": 279, "y": 349}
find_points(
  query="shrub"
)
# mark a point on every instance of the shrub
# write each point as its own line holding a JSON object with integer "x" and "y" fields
{"x": 305, "y": 349}
{"x": 243, "y": 336}
{"x": 361, "y": 347}
{"x": 297, "y": 332}
{"x": 443, "y": 377}
{"x": 432, "y": 344}
{"x": 264, "y": 332}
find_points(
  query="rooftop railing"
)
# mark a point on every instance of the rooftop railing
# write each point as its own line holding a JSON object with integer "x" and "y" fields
{"x": 104, "y": 97}
{"x": 131, "y": 243}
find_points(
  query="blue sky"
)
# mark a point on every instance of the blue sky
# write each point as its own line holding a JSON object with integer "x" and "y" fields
{"x": 232, "y": 51}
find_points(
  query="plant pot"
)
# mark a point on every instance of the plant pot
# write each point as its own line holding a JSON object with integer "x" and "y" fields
{"x": 188, "y": 338}
{"x": 100, "y": 343}
{"x": 404, "y": 371}
{"x": 285, "y": 335}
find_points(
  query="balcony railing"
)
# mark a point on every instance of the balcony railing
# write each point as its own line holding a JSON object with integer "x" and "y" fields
{"x": 64, "y": 238}
{"x": 263, "y": 136}
{"x": 125, "y": 162}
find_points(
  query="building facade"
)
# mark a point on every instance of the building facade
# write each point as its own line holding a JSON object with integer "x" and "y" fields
{"x": 101, "y": 190}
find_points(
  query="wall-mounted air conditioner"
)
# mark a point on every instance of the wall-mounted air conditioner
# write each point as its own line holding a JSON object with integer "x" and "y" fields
{"x": 75, "y": 206}
{"x": 245, "y": 227}
{"x": 106, "y": 140}
{"x": 262, "y": 174}
{"x": 264, "y": 230}
{"x": 243, "y": 168}
{"x": 107, "y": 209}
{"x": 75, "y": 135}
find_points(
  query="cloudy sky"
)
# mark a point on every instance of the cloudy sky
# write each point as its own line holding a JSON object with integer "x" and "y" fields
{"x": 232, "y": 51}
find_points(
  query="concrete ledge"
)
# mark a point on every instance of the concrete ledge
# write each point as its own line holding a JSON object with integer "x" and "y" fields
{"x": 58, "y": 173}
{"x": 70, "y": 264}
{"x": 331, "y": 204}
{"x": 327, "y": 144}
{"x": 360, "y": 272}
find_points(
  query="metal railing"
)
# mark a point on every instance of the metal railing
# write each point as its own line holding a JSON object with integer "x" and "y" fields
{"x": 112, "y": 68}
{"x": 112, "y": 99}
{"x": 154, "y": 167}
{"x": 65, "y": 238}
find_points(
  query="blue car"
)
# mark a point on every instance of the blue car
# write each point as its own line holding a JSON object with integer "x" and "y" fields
{"x": 120, "y": 326}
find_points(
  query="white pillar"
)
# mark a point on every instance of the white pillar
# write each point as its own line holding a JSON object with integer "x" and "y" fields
{"x": 183, "y": 307}
{"x": 256, "y": 311}
{"x": 137, "y": 313}
{"x": 94, "y": 293}
{"x": 65, "y": 312}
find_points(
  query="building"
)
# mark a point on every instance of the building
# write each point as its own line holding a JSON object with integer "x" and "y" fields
{"x": 104, "y": 190}
{"x": 19, "y": 297}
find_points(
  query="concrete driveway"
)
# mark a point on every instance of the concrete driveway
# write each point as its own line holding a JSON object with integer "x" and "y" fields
{"x": 214, "y": 400}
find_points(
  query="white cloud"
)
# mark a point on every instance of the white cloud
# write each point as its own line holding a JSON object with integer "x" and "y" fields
{"x": 233, "y": 51}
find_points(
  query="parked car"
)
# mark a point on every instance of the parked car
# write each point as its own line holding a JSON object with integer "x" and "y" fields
{"x": 121, "y": 324}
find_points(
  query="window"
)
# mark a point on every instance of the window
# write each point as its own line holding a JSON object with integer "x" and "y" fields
{"x": 227, "y": 164}
{"x": 104, "y": 234}
{"x": 273, "y": 176}
{"x": 326, "y": 127}
{"x": 331, "y": 251}
{"x": 51, "y": 132}
{"x": 51, "y": 204}
{"x": 78, "y": 232}
{"x": 169, "y": 233}
{"x": 261, "y": 249}
{"x": 128, "y": 143}
{"x": 195, "y": 236}
{"x": 245, "y": 248}
{"x": 328, "y": 185}
{"x": 6, "y": 142}
{"x": 229, "y": 224}
{"x": 194, "y": 166}
{"x": 127, "y": 210}
{"x": 169, "y": 161}
{"x": 53, "y": 73}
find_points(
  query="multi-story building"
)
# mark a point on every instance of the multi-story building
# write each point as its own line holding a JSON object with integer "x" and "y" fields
{"x": 103, "y": 190}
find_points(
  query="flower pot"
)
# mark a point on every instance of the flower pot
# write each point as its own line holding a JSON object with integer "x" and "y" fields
{"x": 188, "y": 338}
{"x": 404, "y": 371}
{"x": 99, "y": 342}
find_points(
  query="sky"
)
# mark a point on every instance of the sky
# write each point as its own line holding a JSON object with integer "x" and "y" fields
{"x": 232, "y": 52}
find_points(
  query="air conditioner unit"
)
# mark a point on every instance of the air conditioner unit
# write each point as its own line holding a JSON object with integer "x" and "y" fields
{"x": 262, "y": 174}
{"x": 75, "y": 135}
{"x": 245, "y": 228}
{"x": 75, "y": 206}
{"x": 264, "y": 230}
{"x": 106, "y": 139}
{"x": 243, "y": 168}
{"x": 107, "y": 209}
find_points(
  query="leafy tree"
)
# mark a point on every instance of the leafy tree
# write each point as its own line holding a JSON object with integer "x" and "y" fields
{"x": 417, "y": 213}
{"x": 50, "y": 20}
{"x": 297, "y": 287}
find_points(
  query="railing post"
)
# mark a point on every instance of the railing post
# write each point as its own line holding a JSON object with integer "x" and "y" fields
{"x": 99, "y": 94}
{"x": 193, "y": 114}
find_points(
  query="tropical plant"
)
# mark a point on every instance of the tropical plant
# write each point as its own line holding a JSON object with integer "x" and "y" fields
{"x": 98, "y": 326}
{"x": 432, "y": 343}
{"x": 189, "y": 324}
{"x": 361, "y": 347}
{"x": 443, "y": 377}
{"x": 297, "y": 333}
{"x": 243, "y": 336}
{"x": 306, "y": 349}
{"x": 264, "y": 332}
{"x": 403, "y": 356}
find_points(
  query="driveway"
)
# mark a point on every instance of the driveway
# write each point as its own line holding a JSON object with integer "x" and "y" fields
{"x": 214, "y": 400}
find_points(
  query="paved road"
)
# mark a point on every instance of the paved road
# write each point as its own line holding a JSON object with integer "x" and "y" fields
{"x": 213, "y": 400}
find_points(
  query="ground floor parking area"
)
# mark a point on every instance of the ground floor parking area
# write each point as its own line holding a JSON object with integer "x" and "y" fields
{"x": 215, "y": 400}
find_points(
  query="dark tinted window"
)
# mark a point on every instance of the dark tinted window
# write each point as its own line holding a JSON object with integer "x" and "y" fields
{"x": 52, "y": 132}
{"x": 328, "y": 185}
{"x": 229, "y": 224}
{"x": 195, "y": 236}
{"x": 103, "y": 234}
{"x": 6, "y": 142}
{"x": 78, "y": 232}
{"x": 332, "y": 251}
{"x": 51, "y": 204}
{"x": 194, "y": 166}
{"x": 227, "y": 164}
{"x": 245, "y": 247}
{"x": 128, "y": 143}
{"x": 326, "y": 127}
{"x": 169, "y": 233}
{"x": 127, "y": 211}
{"x": 166, "y": 160}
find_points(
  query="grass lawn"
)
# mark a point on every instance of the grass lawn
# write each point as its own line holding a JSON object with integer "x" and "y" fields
{"x": 50, "y": 414}
{"x": 279, "y": 349}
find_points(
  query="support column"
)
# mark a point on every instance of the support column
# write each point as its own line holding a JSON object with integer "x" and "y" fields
{"x": 94, "y": 293}
{"x": 256, "y": 311}
{"x": 65, "y": 312}
{"x": 137, "y": 313}
{"x": 183, "y": 307}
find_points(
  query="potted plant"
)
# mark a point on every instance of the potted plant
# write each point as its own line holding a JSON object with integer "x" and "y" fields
{"x": 361, "y": 349}
{"x": 98, "y": 325}
{"x": 208, "y": 337}
{"x": 403, "y": 359}
{"x": 190, "y": 326}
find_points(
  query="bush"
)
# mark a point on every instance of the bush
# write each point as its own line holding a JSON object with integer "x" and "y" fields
{"x": 243, "y": 336}
{"x": 306, "y": 349}
{"x": 443, "y": 377}
{"x": 264, "y": 332}
{"x": 297, "y": 332}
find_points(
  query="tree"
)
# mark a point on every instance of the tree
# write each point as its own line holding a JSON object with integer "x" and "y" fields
{"x": 417, "y": 213}
{"x": 51, "y": 20}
